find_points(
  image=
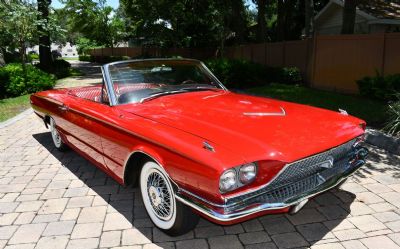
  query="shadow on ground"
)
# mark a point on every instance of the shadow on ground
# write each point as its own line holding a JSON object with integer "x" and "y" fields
{"x": 378, "y": 161}
{"x": 314, "y": 222}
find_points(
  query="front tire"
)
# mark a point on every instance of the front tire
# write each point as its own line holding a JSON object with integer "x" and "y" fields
{"x": 170, "y": 216}
{"x": 55, "y": 135}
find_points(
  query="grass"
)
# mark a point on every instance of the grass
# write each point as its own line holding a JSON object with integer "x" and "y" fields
{"x": 13, "y": 106}
{"x": 372, "y": 111}
{"x": 75, "y": 72}
{"x": 70, "y": 58}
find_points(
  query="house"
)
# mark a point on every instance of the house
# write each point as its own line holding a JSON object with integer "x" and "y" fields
{"x": 67, "y": 50}
{"x": 372, "y": 16}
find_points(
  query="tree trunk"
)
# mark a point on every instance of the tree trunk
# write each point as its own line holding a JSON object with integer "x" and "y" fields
{"x": 238, "y": 22}
{"x": 280, "y": 27}
{"x": 44, "y": 36}
{"x": 261, "y": 25}
{"x": 349, "y": 16}
{"x": 309, "y": 20}
{"x": 2, "y": 61}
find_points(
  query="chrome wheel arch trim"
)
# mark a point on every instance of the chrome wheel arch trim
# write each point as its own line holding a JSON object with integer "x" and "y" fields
{"x": 175, "y": 185}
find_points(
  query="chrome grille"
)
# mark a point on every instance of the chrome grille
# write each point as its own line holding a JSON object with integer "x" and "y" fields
{"x": 310, "y": 165}
{"x": 298, "y": 178}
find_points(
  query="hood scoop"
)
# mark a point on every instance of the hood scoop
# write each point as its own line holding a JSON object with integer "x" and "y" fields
{"x": 261, "y": 114}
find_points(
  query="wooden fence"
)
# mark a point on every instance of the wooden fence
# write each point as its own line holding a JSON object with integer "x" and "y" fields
{"x": 327, "y": 62}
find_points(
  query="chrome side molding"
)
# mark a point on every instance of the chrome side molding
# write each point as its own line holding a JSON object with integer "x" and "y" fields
{"x": 261, "y": 114}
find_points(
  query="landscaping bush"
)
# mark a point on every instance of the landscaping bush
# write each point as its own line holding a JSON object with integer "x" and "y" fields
{"x": 380, "y": 87}
{"x": 393, "y": 125}
{"x": 60, "y": 68}
{"x": 15, "y": 81}
{"x": 86, "y": 58}
{"x": 246, "y": 74}
{"x": 108, "y": 59}
{"x": 32, "y": 57}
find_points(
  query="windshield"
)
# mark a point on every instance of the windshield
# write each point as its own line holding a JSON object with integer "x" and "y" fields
{"x": 139, "y": 81}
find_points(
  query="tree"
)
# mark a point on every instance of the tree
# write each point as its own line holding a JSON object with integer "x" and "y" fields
{"x": 238, "y": 21}
{"x": 18, "y": 27}
{"x": 261, "y": 34}
{"x": 94, "y": 21}
{"x": 349, "y": 16}
{"x": 45, "y": 57}
{"x": 309, "y": 17}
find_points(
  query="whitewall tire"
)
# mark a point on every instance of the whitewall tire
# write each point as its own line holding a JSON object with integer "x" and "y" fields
{"x": 55, "y": 135}
{"x": 158, "y": 196}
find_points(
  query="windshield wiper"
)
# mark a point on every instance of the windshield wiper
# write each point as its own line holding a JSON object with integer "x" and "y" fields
{"x": 159, "y": 94}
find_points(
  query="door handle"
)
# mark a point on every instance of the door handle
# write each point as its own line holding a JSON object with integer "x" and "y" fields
{"x": 63, "y": 108}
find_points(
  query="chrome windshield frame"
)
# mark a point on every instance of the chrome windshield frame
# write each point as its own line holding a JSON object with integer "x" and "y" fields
{"x": 109, "y": 84}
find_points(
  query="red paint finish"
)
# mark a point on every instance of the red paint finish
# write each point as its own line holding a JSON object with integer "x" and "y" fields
{"x": 172, "y": 129}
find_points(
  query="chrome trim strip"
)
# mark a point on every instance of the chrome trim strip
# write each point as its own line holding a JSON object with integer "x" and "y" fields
{"x": 282, "y": 113}
{"x": 200, "y": 198}
{"x": 265, "y": 206}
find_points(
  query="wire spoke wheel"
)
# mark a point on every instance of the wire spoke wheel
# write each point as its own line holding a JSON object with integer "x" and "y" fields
{"x": 158, "y": 196}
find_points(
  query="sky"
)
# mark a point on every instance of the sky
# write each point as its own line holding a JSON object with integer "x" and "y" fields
{"x": 115, "y": 3}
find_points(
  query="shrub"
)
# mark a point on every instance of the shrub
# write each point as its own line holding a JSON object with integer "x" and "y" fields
{"x": 290, "y": 75}
{"x": 108, "y": 59}
{"x": 19, "y": 82}
{"x": 380, "y": 87}
{"x": 246, "y": 74}
{"x": 60, "y": 68}
{"x": 393, "y": 125}
{"x": 84, "y": 45}
{"x": 32, "y": 57}
{"x": 86, "y": 58}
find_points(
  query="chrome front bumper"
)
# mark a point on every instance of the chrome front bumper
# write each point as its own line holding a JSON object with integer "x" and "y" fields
{"x": 256, "y": 202}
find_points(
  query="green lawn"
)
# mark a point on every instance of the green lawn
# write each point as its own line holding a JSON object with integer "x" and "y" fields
{"x": 70, "y": 58}
{"x": 372, "y": 111}
{"x": 13, "y": 106}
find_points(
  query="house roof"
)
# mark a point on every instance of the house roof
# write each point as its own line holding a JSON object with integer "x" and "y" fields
{"x": 382, "y": 9}
{"x": 376, "y": 11}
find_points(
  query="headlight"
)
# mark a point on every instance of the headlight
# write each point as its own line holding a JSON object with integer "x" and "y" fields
{"x": 247, "y": 173}
{"x": 237, "y": 177}
{"x": 227, "y": 181}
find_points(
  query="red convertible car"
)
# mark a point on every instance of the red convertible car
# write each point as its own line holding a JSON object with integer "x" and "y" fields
{"x": 196, "y": 148}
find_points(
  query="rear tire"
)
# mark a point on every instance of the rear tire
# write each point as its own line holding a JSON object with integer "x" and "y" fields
{"x": 169, "y": 215}
{"x": 55, "y": 135}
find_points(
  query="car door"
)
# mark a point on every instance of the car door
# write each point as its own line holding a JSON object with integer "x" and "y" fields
{"x": 83, "y": 126}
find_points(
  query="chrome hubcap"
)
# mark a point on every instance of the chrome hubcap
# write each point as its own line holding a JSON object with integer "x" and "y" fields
{"x": 159, "y": 195}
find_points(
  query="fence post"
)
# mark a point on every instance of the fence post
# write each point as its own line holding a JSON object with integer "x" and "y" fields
{"x": 265, "y": 53}
{"x": 284, "y": 54}
{"x": 383, "y": 54}
{"x": 314, "y": 59}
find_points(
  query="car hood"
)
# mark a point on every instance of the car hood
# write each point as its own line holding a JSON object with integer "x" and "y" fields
{"x": 255, "y": 128}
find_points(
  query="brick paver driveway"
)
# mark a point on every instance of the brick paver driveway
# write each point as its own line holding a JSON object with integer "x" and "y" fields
{"x": 55, "y": 200}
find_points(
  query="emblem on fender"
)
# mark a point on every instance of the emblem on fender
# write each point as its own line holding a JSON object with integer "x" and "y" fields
{"x": 208, "y": 146}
